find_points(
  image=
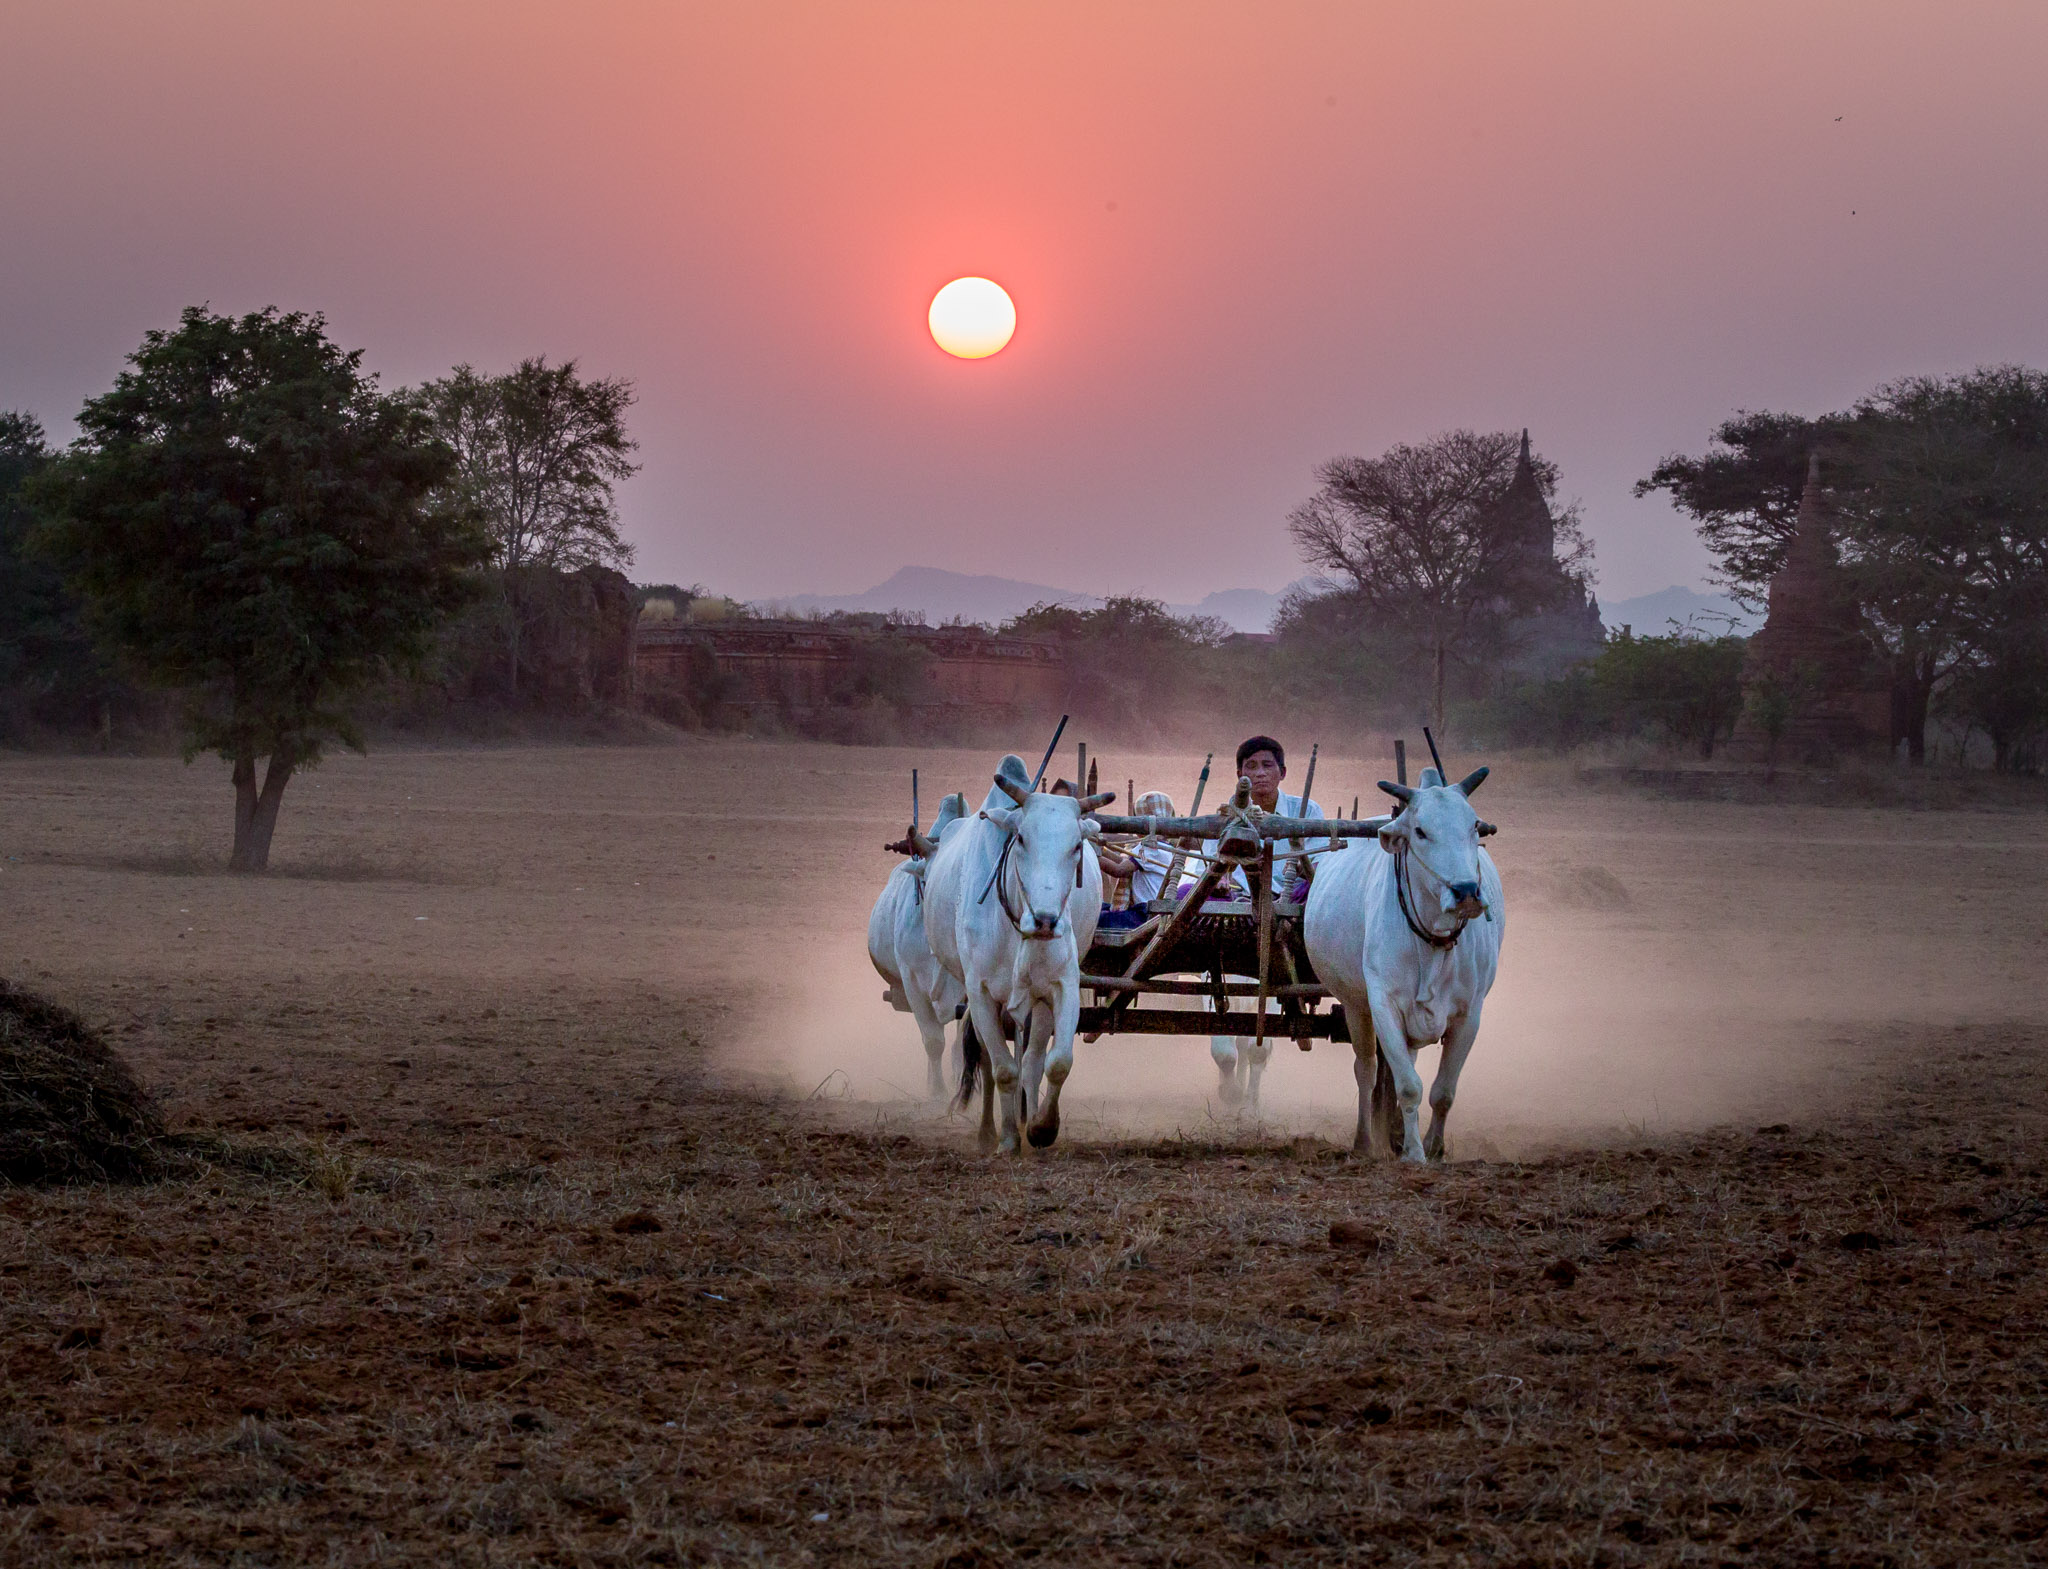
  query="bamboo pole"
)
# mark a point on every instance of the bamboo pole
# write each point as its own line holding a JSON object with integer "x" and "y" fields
{"x": 1265, "y": 908}
{"x": 1308, "y": 785}
{"x": 1045, "y": 761}
{"x": 1166, "y": 888}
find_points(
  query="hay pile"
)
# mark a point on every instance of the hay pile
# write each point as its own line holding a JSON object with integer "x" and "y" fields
{"x": 70, "y": 1109}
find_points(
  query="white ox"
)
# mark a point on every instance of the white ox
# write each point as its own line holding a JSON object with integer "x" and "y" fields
{"x": 1010, "y": 905}
{"x": 1406, "y": 935}
{"x": 902, "y": 955}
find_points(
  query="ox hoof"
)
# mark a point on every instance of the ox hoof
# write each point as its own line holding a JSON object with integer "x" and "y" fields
{"x": 1042, "y": 1134}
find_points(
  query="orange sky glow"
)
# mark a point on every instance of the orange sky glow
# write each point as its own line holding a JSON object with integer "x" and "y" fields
{"x": 1241, "y": 238}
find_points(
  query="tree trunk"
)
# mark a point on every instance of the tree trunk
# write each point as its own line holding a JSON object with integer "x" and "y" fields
{"x": 1440, "y": 688}
{"x": 1912, "y": 686}
{"x": 256, "y": 812}
{"x": 512, "y": 642}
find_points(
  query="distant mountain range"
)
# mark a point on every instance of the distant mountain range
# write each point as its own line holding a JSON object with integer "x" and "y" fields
{"x": 941, "y": 596}
{"x": 1651, "y": 615}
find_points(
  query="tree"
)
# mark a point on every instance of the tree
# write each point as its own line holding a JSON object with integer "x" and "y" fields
{"x": 2004, "y": 691}
{"x": 1938, "y": 488}
{"x": 1943, "y": 502}
{"x": 1744, "y": 492}
{"x": 538, "y": 450}
{"x": 1690, "y": 686}
{"x": 42, "y": 646}
{"x": 1428, "y": 548}
{"x": 251, "y": 522}
{"x": 1130, "y": 660}
{"x": 1772, "y": 702}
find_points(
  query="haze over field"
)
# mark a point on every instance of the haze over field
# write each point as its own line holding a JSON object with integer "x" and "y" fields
{"x": 1241, "y": 240}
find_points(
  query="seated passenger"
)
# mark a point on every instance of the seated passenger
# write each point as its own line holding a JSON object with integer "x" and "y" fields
{"x": 1149, "y": 863}
{"x": 1144, "y": 866}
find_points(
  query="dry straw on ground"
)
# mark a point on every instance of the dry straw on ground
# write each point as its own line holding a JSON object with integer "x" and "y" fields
{"x": 70, "y": 1108}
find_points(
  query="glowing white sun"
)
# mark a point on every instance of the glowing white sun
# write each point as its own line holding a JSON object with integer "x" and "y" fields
{"x": 972, "y": 318}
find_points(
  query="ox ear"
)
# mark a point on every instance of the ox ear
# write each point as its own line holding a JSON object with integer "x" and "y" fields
{"x": 1399, "y": 792}
{"x": 1473, "y": 780}
{"x": 1010, "y": 788}
{"x": 1393, "y": 837}
{"x": 1102, "y": 798}
{"x": 1090, "y": 829}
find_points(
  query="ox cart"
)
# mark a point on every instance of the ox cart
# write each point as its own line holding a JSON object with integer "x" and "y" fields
{"x": 1231, "y": 950}
{"x": 1241, "y": 953}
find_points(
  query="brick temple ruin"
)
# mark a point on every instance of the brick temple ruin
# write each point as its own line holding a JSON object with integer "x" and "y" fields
{"x": 796, "y": 670}
{"x": 1553, "y": 641}
{"x": 1813, "y": 647}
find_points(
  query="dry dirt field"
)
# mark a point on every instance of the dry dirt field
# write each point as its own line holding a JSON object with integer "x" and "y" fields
{"x": 574, "y": 1214}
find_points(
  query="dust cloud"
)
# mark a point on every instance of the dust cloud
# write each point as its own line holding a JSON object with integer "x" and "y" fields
{"x": 1668, "y": 966}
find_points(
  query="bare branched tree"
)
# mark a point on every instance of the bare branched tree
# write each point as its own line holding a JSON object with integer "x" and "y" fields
{"x": 1425, "y": 543}
{"x": 539, "y": 450}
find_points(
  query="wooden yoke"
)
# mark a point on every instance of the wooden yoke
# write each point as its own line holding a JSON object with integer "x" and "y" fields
{"x": 1199, "y": 830}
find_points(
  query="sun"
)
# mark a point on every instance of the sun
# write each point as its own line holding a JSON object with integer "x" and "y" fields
{"x": 972, "y": 318}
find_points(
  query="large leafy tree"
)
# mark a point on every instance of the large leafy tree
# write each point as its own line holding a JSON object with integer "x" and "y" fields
{"x": 1938, "y": 488}
{"x": 538, "y": 450}
{"x": 1423, "y": 542}
{"x": 251, "y": 522}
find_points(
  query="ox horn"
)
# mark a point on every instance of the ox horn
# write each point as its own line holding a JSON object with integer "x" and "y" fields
{"x": 1090, "y": 803}
{"x": 1400, "y": 792}
{"x": 1011, "y": 788}
{"x": 1473, "y": 780}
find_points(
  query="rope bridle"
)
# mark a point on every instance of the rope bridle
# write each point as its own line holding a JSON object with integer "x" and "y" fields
{"x": 1001, "y": 883}
{"x": 1439, "y": 940}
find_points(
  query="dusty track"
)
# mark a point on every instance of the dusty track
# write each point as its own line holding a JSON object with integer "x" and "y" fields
{"x": 1761, "y": 1283}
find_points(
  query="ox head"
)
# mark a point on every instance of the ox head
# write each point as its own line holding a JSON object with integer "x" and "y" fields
{"x": 1048, "y": 839}
{"x": 1439, "y": 833}
{"x": 951, "y": 810}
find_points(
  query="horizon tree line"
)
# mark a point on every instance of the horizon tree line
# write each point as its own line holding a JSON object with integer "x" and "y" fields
{"x": 249, "y": 522}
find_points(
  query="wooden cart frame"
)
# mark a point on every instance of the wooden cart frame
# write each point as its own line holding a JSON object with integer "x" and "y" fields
{"x": 1226, "y": 950}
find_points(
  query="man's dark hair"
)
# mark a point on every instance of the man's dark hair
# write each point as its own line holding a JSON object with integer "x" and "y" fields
{"x": 1260, "y": 743}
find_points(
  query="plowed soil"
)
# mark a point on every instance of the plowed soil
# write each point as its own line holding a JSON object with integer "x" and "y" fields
{"x": 549, "y": 1201}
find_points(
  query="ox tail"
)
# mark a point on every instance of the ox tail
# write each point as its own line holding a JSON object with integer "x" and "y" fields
{"x": 973, "y": 1062}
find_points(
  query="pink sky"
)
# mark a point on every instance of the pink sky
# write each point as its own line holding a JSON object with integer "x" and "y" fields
{"x": 1241, "y": 238}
